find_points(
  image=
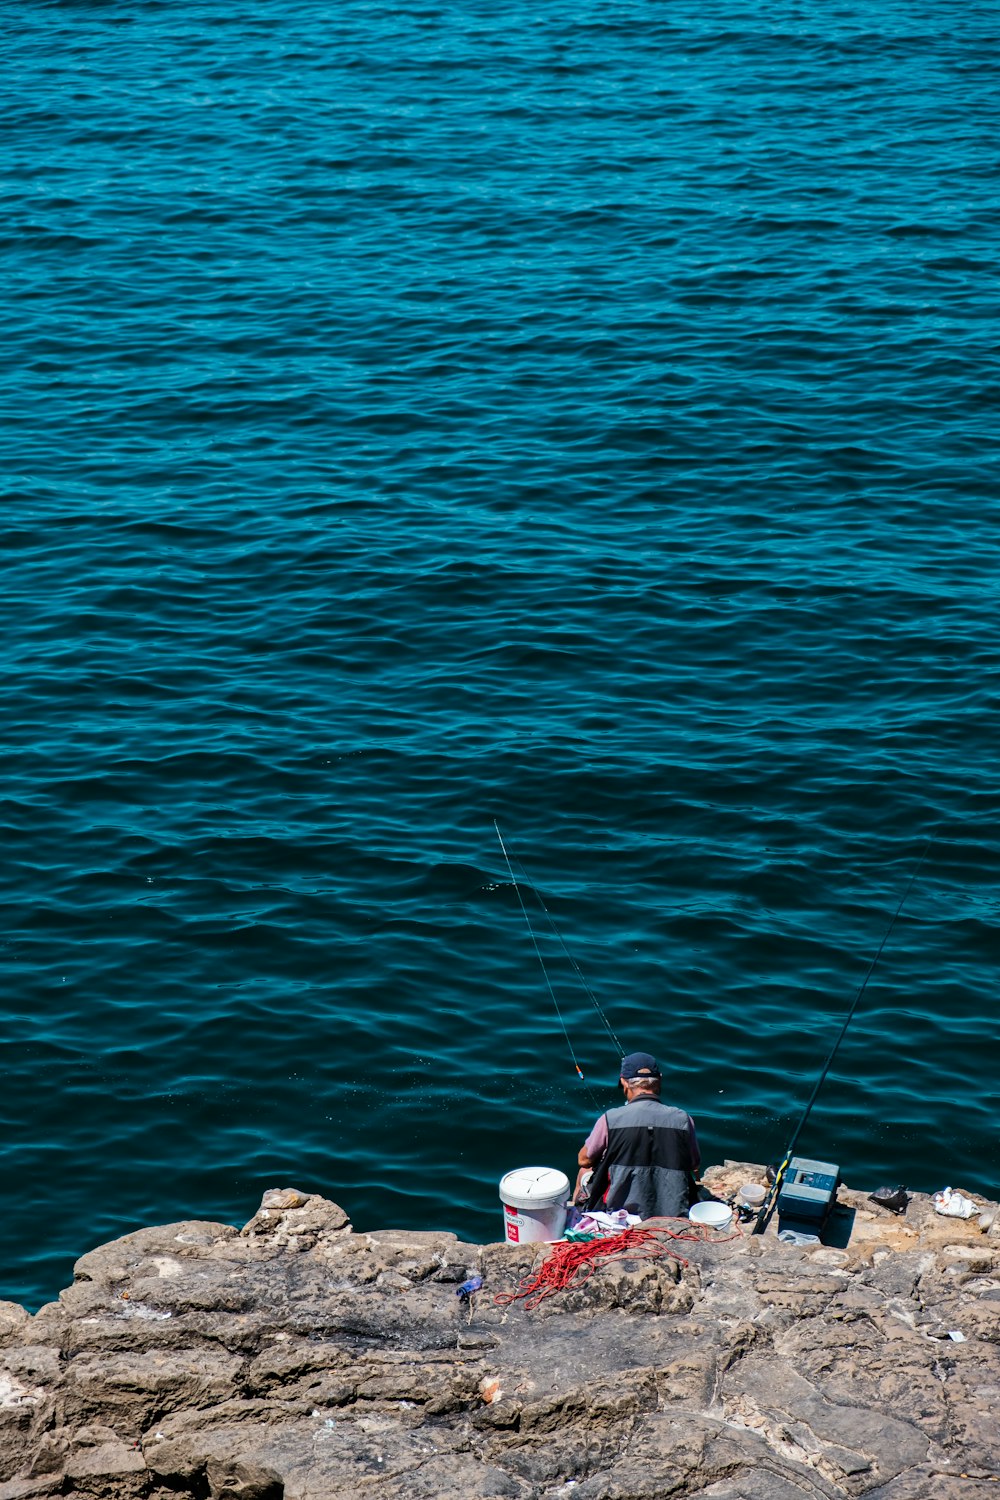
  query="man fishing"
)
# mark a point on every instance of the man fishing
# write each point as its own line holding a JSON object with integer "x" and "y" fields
{"x": 643, "y": 1156}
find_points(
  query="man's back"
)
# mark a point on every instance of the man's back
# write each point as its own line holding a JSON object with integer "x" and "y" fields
{"x": 651, "y": 1159}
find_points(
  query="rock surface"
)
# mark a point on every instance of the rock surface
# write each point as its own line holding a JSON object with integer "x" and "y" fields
{"x": 298, "y": 1360}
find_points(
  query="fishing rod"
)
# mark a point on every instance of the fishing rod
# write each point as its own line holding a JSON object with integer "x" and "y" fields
{"x": 767, "y": 1208}
{"x": 538, "y": 953}
{"x": 615, "y": 1042}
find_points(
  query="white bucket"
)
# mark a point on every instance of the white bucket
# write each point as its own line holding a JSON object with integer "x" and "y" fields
{"x": 534, "y": 1204}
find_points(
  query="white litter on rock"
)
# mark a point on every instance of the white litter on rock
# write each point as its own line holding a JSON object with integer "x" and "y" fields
{"x": 953, "y": 1205}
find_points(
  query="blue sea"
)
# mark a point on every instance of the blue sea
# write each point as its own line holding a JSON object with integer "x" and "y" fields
{"x": 421, "y": 417}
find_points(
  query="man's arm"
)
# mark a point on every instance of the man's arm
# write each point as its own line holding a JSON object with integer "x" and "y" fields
{"x": 695, "y": 1149}
{"x": 591, "y": 1151}
{"x": 694, "y": 1181}
{"x": 585, "y": 1165}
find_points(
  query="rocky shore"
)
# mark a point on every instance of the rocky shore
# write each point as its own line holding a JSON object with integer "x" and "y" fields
{"x": 295, "y": 1359}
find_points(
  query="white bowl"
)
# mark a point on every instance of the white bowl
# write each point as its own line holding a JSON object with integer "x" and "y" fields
{"x": 752, "y": 1195}
{"x": 715, "y": 1215}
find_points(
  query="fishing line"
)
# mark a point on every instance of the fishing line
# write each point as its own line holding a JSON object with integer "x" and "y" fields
{"x": 573, "y": 963}
{"x": 538, "y": 952}
{"x": 767, "y": 1208}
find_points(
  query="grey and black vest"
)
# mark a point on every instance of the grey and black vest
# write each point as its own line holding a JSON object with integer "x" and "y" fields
{"x": 647, "y": 1167}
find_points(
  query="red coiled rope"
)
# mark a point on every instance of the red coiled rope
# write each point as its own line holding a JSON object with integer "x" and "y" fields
{"x": 576, "y": 1261}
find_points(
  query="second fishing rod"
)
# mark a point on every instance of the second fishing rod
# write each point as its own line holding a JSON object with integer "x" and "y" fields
{"x": 774, "y": 1192}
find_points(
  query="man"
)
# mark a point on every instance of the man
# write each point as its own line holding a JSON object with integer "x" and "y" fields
{"x": 644, "y": 1155}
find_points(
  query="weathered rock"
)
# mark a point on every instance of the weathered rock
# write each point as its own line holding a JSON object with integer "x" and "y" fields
{"x": 113, "y": 1264}
{"x": 298, "y": 1360}
{"x": 116, "y": 1468}
{"x": 132, "y": 1391}
{"x": 295, "y": 1220}
{"x": 43, "y": 1488}
{"x": 13, "y": 1319}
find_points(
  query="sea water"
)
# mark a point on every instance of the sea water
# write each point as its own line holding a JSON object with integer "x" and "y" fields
{"x": 423, "y": 415}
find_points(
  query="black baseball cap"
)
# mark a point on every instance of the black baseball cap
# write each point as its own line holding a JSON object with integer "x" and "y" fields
{"x": 639, "y": 1063}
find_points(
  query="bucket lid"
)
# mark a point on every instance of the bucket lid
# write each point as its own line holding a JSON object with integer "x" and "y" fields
{"x": 534, "y": 1187}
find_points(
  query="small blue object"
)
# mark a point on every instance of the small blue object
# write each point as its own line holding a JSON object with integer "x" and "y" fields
{"x": 467, "y": 1288}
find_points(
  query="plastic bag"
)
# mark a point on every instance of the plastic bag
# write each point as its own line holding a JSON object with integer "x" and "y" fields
{"x": 599, "y": 1223}
{"x": 894, "y": 1199}
{"x": 954, "y": 1205}
{"x": 798, "y": 1237}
